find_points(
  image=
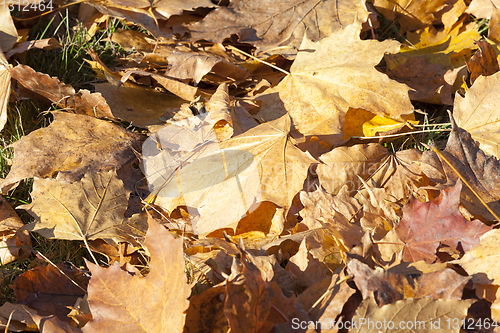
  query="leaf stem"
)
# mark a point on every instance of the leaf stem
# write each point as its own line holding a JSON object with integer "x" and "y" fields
{"x": 260, "y": 60}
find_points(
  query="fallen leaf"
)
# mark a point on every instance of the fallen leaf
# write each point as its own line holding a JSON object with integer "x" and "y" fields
{"x": 411, "y": 15}
{"x": 5, "y": 76}
{"x": 17, "y": 318}
{"x": 165, "y": 290}
{"x": 53, "y": 324}
{"x": 320, "y": 211}
{"x": 50, "y": 290}
{"x": 481, "y": 262}
{"x": 425, "y": 225}
{"x": 477, "y": 113}
{"x": 248, "y": 297}
{"x": 195, "y": 65}
{"x": 91, "y": 208}
{"x": 402, "y": 282}
{"x": 305, "y": 267}
{"x": 484, "y": 62}
{"x": 141, "y": 106}
{"x": 43, "y": 44}
{"x": 8, "y": 31}
{"x": 61, "y": 94}
{"x": 282, "y": 23}
{"x": 335, "y": 74}
{"x": 15, "y": 243}
{"x": 343, "y": 165}
{"x": 482, "y": 8}
{"x": 70, "y": 146}
{"x": 481, "y": 171}
{"x": 233, "y": 173}
{"x": 423, "y": 314}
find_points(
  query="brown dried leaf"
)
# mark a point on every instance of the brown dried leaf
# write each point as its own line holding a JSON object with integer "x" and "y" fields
{"x": 142, "y": 106}
{"x": 91, "y": 208}
{"x": 484, "y": 62}
{"x": 164, "y": 289}
{"x": 61, "y": 94}
{"x": 481, "y": 171}
{"x": 482, "y": 262}
{"x": 282, "y": 23}
{"x": 70, "y": 146}
{"x": 412, "y": 15}
{"x": 8, "y": 31}
{"x": 305, "y": 267}
{"x": 50, "y": 290}
{"x": 233, "y": 173}
{"x": 405, "y": 281}
{"x": 249, "y": 298}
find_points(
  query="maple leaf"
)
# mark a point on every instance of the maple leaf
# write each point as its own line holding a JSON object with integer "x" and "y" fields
{"x": 155, "y": 303}
{"x": 88, "y": 209}
{"x": 335, "y": 74}
{"x": 343, "y": 165}
{"x": 68, "y": 147}
{"x": 418, "y": 311}
{"x": 478, "y": 113}
{"x": 285, "y": 22}
{"x": 233, "y": 173}
{"x": 425, "y": 225}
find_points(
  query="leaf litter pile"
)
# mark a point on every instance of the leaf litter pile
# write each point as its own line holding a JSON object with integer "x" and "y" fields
{"x": 254, "y": 188}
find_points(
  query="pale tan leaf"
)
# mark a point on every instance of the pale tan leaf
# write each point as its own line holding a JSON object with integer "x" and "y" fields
{"x": 212, "y": 176}
{"x": 88, "y": 209}
{"x": 423, "y": 314}
{"x": 479, "y": 113}
{"x": 483, "y": 261}
{"x": 337, "y": 73}
{"x": 8, "y": 31}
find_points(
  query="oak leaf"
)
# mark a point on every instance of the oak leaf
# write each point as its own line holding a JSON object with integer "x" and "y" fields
{"x": 336, "y": 73}
{"x": 154, "y": 303}
{"x": 70, "y": 146}
{"x": 91, "y": 208}
{"x": 426, "y": 225}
